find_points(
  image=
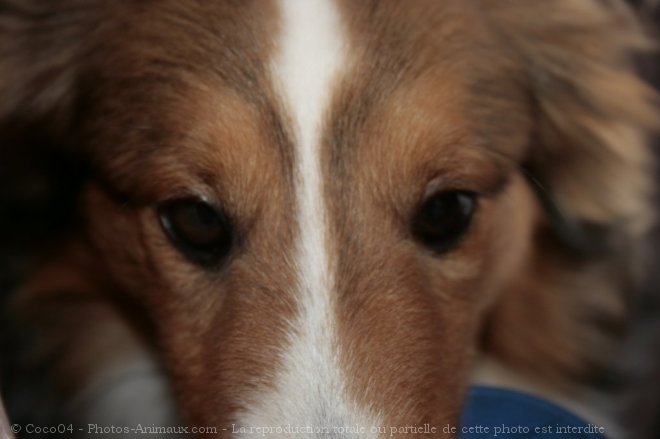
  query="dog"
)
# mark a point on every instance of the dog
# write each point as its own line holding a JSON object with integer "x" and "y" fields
{"x": 318, "y": 213}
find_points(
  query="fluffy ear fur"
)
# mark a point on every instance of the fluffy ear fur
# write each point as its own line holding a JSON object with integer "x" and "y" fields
{"x": 40, "y": 43}
{"x": 592, "y": 165}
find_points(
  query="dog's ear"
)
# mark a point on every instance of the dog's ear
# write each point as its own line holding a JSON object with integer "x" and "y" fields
{"x": 590, "y": 162}
{"x": 41, "y": 45}
{"x": 593, "y": 113}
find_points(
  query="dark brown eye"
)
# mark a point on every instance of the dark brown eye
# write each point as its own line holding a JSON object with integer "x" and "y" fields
{"x": 443, "y": 219}
{"x": 200, "y": 231}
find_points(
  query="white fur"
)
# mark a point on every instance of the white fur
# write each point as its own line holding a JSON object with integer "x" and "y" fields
{"x": 132, "y": 392}
{"x": 310, "y": 389}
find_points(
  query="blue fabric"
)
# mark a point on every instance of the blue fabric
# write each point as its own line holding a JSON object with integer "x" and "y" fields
{"x": 502, "y": 413}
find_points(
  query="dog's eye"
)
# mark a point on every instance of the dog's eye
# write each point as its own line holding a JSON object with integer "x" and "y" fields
{"x": 198, "y": 230}
{"x": 443, "y": 219}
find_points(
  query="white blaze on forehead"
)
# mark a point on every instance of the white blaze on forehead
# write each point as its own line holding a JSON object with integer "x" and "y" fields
{"x": 310, "y": 387}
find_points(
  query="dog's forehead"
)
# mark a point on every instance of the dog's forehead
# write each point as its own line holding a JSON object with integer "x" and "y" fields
{"x": 225, "y": 79}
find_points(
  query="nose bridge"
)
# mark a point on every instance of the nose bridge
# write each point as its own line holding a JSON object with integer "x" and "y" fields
{"x": 310, "y": 390}
{"x": 310, "y": 387}
{"x": 311, "y": 394}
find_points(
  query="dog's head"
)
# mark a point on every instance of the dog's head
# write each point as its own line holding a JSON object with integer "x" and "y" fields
{"x": 322, "y": 210}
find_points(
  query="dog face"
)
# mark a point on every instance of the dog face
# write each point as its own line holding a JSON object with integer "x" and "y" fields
{"x": 319, "y": 211}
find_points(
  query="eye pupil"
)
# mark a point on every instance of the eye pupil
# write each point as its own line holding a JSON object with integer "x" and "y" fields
{"x": 443, "y": 219}
{"x": 197, "y": 229}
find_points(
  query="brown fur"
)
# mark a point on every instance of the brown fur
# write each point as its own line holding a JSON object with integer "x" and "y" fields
{"x": 592, "y": 116}
{"x": 171, "y": 99}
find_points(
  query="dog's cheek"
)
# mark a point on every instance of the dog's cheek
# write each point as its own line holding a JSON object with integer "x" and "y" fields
{"x": 218, "y": 333}
{"x": 512, "y": 221}
{"x": 145, "y": 271}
